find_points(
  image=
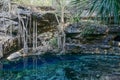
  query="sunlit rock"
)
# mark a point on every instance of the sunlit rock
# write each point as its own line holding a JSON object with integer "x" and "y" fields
{"x": 119, "y": 44}
{"x": 14, "y": 56}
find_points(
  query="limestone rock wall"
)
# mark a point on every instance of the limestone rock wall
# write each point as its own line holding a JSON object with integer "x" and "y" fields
{"x": 93, "y": 38}
{"x": 9, "y": 46}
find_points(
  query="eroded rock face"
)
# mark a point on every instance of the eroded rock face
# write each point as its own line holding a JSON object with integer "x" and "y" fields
{"x": 94, "y": 38}
{"x": 114, "y": 29}
{"x": 82, "y": 27}
{"x": 73, "y": 28}
{"x": 46, "y": 23}
{"x": 47, "y": 26}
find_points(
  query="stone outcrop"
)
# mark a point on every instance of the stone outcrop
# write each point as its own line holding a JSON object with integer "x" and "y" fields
{"x": 80, "y": 37}
{"x": 114, "y": 29}
{"x": 46, "y": 23}
{"x": 14, "y": 56}
{"x": 101, "y": 39}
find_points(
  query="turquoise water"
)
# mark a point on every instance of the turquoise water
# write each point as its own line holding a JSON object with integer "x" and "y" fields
{"x": 65, "y": 67}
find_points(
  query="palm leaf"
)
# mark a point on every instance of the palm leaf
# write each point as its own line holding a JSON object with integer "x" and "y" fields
{"x": 106, "y": 10}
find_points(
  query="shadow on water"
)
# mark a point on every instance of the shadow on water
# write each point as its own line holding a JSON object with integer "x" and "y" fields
{"x": 62, "y": 67}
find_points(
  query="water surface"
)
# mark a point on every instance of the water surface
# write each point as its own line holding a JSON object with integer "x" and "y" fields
{"x": 65, "y": 67}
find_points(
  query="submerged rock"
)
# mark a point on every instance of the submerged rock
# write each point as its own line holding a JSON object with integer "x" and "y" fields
{"x": 71, "y": 74}
{"x": 111, "y": 77}
{"x": 14, "y": 56}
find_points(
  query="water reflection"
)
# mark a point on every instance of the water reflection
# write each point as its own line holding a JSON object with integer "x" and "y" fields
{"x": 67, "y": 67}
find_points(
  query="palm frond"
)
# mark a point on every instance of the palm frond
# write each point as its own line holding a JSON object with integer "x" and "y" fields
{"x": 106, "y": 10}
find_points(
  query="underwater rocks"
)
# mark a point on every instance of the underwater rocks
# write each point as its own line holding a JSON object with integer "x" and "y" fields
{"x": 111, "y": 77}
{"x": 71, "y": 74}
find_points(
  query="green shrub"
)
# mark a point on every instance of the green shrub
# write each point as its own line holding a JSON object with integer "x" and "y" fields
{"x": 88, "y": 30}
{"x": 53, "y": 42}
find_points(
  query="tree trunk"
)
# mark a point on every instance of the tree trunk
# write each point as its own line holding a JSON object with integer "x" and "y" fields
{"x": 34, "y": 34}
{"x": 62, "y": 29}
{"x": 29, "y": 30}
{"x": 61, "y": 33}
{"x": 24, "y": 35}
{"x": 1, "y": 50}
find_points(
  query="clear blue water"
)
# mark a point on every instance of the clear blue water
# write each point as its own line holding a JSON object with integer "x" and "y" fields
{"x": 64, "y": 67}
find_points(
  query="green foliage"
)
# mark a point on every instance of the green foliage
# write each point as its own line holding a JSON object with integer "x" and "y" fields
{"x": 92, "y": 29}
{"x": 74, "y": 19}
{"x": 53, "y": 42}
{"x": 105, "y": 10}
{"x": 87, "y": 30}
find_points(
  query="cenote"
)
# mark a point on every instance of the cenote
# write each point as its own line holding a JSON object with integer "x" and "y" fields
{"x": 59, "y": 39}
{"x": 62, "y": 67}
